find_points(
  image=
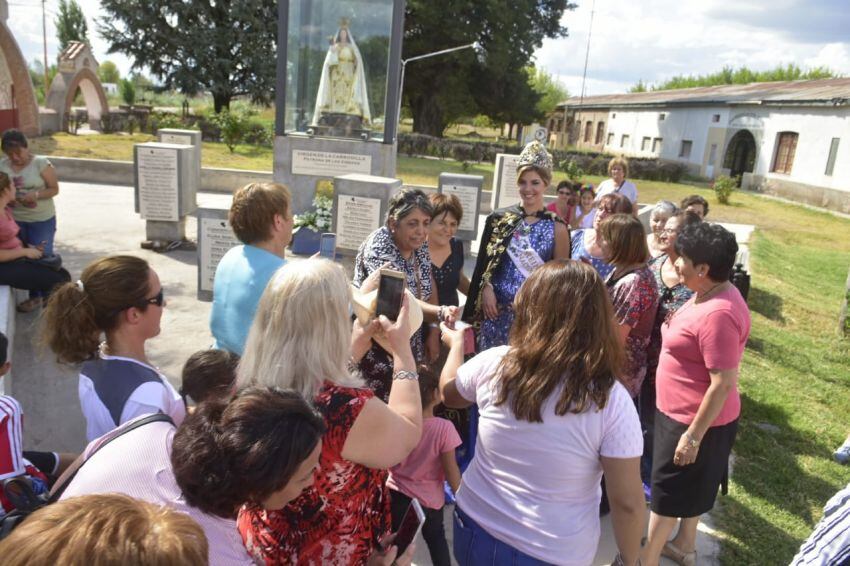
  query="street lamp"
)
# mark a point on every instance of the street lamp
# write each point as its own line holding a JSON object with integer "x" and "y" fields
{"x": 475, "y": 45}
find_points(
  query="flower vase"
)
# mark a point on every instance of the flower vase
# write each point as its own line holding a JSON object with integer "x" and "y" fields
{"x": 305, "y": 240}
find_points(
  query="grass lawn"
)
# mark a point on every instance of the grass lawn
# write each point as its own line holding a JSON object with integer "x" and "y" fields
{"x": 795, "y": 373}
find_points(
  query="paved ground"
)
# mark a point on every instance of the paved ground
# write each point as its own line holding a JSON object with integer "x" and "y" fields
{"x": 96, "y": 220}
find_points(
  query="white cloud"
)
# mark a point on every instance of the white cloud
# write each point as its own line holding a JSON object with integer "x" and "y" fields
{"x": 657, "y": 39}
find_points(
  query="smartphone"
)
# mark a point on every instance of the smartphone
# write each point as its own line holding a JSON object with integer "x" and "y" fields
{"x": 390, "y": 293}
{"x": 410, "y": 526}
{"x": 327, "y": 245}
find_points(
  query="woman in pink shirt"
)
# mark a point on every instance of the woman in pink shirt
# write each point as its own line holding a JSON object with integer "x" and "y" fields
{"x": 697, "y": 392}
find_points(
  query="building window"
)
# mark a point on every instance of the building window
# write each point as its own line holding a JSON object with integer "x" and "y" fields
{"x": 588, "y": 128}
{"x": 656, "y": 145}
{"x": 715, "y": 118}
{"x": 614, "y": 115}
{"x": 786, "y": 147}
{"x": 685, "y": 150}
{"x": 662, "y": 116}
{"x": 833, "y": 152}
{"x": 644, "y": 144}
{"x": 600, "y": 132}
{"x": 624, "y": 141}
{"x": 610, "y": 139}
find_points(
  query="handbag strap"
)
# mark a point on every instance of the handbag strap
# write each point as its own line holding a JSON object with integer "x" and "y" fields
{"x": 68, "y": 475}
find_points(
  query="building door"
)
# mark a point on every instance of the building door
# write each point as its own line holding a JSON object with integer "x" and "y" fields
{"x": 740, "y": 155}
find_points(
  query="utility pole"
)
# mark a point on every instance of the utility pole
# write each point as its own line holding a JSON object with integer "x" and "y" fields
{"x": 44, "y": 35}
{"x": 586, "y": 53}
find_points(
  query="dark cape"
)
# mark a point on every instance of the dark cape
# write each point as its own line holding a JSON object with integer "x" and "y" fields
{"x": 493, "y": 248}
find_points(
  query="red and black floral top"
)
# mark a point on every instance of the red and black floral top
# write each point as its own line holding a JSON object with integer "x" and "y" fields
{"x": 341, "y": 517}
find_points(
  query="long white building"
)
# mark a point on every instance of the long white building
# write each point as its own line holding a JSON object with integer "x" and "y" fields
{"x": 786, "y": 138}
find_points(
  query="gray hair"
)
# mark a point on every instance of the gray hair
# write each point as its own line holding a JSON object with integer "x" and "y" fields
{"x": 664, "y": 207}
{"x": 406, "y": 201}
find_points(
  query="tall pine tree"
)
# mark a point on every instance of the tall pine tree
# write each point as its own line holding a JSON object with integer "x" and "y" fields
{"x": 70, "y": 24}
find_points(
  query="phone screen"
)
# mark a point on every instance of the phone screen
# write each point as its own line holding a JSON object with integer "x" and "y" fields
{"x": 390, "y": 292}
{"x": 409, "y": 527}
{"x": 327, "y": 246}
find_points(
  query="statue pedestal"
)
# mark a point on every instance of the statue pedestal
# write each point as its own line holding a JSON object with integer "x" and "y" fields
{"x": 340, "y": 125}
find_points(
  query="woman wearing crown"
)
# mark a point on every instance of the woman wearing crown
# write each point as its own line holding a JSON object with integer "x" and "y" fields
{"x": 516, "y": 240}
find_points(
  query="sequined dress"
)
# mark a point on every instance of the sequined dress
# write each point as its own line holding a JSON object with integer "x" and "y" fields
{"x": 507, "y": 279}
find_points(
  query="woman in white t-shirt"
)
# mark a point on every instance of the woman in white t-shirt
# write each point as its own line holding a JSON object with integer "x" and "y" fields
{"x": 122, "y": 298}
{"x": 552, "y": 418}
{"x": 618, "y": 169}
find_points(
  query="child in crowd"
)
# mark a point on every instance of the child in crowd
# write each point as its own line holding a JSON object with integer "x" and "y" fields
{"x": 12, "y": 461}
{"x": 586, "y": 210}
{"x": 422, "y": 473}
{"x": 208, "y": 374}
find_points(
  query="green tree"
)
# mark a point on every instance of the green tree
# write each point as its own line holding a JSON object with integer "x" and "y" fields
{"x": 639, "y": 87}
{"x": 128, "y": 91}
{"x": 743, "y": 75}
{"x": 438, "y": 91}
{"x": 551, "y": 91}
{"x": 108, "y": 72}
{"x": 70, "y": 24}
{"x": 226, "y": 48}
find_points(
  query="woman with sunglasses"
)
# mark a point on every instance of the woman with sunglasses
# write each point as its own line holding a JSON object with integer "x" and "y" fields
{"x": 121, "y": 297}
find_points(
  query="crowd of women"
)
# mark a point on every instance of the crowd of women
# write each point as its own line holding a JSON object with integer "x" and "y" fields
{"x": 605, "y": 353}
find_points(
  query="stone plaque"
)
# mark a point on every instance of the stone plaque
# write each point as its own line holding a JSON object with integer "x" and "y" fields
{"x": 505, "y": 192}
{"x": 215, "y": 238}
{"x": 356, "y": 218}
{"x": 158, "y": 181}
{"x": 468, "y": 197}
{"x": 329, "y": 164}
{"x": 178, "y": 139}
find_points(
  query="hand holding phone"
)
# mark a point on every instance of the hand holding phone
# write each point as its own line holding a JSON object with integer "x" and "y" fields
{"x": 390, "y": 293}
{"x": 410, "y": 526}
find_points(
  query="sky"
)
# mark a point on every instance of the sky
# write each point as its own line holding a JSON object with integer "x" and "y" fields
{"x": 630, "y": 39}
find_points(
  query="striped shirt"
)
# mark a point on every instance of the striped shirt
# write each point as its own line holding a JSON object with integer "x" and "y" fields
{"x": 829, "y": 543}
{"x": 11, "y": 438}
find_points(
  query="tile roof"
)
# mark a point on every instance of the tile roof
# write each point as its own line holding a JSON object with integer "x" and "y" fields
{"x": 820, "y": 92}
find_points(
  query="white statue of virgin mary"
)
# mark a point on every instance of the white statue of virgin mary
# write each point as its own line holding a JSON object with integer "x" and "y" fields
{"x": 342, "y": 88}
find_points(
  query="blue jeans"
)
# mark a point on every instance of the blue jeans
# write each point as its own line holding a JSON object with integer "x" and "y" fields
{"x": 473, "y": 546}
{"x": 33, "y": 234}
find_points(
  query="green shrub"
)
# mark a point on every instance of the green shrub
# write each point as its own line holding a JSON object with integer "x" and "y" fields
{"x": 724, "y": 186}
{"x": 572, "y": 169}
{"x": 127, "y": 90}
{"x": 234, "y": 124}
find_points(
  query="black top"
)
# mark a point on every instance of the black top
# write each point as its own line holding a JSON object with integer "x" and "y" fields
{"x": 448, "y": 276}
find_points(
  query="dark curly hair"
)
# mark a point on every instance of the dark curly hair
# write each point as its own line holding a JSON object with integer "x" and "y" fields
{"x": 227, "y": 454}
{"x": 711, "y": 245}
{"x": 406, "y": 201}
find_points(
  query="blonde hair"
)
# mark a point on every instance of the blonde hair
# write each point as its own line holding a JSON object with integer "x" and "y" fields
{"x": 106, "y": 530}
{"x": 622, "y": 162}
{"x": 301, "y": 333}
{"x": 545, "y": 174}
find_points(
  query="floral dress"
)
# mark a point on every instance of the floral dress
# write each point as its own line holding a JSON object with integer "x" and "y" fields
{"x": 378, "y": 249}
{"x": 635, "y": 299}
{"x": 508, "y": 278}
{"x": 580, "y": 252}
{"x": 339, "y": 519}
{"x": 670, "y": 299}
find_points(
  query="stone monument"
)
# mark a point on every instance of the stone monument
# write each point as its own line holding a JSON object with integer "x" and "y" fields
{"x": 166, "y": 184}
{"x": 505, "y": 192}
{"x": 215, "y": 238}
{"x": 359, "y": 208}
{"x": 336, "y": 108}
{"x": 184, "y": 137}
{"x": 77, "y": 68}
{"x": 467, "y": 188}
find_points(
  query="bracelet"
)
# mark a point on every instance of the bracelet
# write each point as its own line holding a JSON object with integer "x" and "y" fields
{"x": 441, "y": 315}
{"x": 692, "y": 442}
{"x": 406, "y": 374}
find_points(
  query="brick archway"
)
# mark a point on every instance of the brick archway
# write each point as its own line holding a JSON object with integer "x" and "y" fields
{"x": 25, "y": 101}
{"x": 93, "y": 93}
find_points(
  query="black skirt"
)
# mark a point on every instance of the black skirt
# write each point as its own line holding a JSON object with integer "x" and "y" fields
{"x": 688, "y": 491}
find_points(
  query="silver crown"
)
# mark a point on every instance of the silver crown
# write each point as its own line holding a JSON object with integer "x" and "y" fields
{"x": 535, "y": 154}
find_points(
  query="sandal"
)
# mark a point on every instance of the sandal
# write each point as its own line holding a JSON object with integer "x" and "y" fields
{"x": 31, "y": 304}
{"x": 679, "y": 557}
